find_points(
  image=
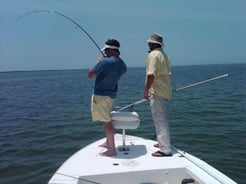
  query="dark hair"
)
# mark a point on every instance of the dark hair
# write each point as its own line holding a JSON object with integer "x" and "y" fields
{"x": 112, "y": 42}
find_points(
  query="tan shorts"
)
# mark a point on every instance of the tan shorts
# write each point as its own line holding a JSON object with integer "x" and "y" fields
{"x": 101, "y": 107}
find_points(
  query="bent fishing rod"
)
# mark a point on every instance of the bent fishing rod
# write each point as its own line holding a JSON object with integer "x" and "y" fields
{"x": 178, "y": 89}
{"x": 66, "y": 17}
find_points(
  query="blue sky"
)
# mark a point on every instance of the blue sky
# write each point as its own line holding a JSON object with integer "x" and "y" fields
{"x": 194, "y": 32}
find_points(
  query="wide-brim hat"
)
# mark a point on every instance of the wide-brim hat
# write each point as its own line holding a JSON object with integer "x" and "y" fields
{"x": 155, "y": 38}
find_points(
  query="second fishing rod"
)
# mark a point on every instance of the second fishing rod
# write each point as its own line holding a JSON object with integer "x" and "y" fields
{"x": 177, "y": 90}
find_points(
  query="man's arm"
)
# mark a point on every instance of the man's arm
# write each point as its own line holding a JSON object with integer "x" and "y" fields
{"x": 91, "y": 73}
{"x": 149, "y": 81}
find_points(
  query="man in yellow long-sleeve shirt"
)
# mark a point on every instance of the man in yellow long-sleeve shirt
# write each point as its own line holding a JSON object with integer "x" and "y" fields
{"x": 158, "y": 90}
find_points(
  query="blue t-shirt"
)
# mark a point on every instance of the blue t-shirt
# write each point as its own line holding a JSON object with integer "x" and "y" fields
{"x": 108, "y": 72}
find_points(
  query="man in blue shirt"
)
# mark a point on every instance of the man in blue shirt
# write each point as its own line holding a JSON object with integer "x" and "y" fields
{"x": 108, "y": 70}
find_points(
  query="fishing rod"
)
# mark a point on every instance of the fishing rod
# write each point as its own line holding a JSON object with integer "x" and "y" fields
{"x": 65, "y": 16}
{"x": 199, "y": 83}
{"x": 132, "y": 104}
{"x": 178, "y": 89}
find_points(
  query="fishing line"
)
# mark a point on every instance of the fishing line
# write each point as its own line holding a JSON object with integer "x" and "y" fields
{"x": 65, "y": 16}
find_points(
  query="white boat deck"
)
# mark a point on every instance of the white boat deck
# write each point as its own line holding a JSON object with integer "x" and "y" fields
{"x": 134, "y": 166}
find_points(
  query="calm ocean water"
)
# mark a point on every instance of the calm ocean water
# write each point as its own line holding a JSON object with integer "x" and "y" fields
{"x": 45, "y": 118}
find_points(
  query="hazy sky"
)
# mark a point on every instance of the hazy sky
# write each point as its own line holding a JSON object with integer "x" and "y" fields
{"x": 194, "y": 31}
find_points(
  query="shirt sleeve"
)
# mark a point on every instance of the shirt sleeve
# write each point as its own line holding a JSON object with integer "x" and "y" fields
{"x": 98, "y": 67}
{"x": 152, "y": 63}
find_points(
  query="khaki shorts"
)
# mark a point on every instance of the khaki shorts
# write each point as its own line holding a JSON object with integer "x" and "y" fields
{"x": 101, "y": 107}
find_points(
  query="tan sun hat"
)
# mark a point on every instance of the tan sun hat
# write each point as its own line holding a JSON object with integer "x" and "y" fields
{"x": 155, "y": 38}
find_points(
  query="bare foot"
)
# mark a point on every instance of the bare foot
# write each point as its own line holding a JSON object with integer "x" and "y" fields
{"x": 109, "y": 153}
{"x": 104, "y": 145}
